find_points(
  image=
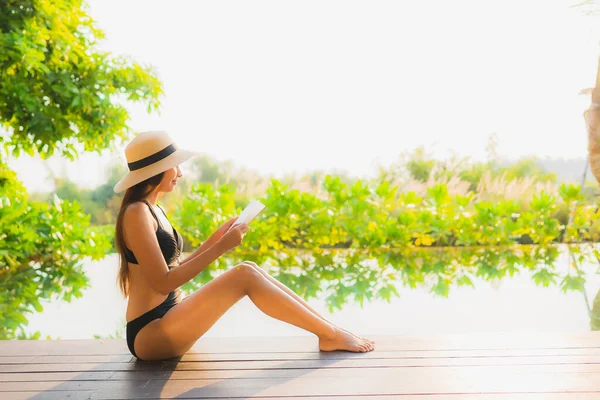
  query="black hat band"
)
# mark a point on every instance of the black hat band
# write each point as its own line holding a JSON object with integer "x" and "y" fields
{"x": 151, "y": 159}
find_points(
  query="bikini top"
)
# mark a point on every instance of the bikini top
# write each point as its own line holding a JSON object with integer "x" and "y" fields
{"x": 171, "y": 245}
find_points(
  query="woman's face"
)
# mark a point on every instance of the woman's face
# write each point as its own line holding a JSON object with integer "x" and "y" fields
{"x": 169, "y": 180}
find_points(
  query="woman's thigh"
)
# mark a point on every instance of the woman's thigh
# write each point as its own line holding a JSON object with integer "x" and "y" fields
{"x": 178, "y": 330}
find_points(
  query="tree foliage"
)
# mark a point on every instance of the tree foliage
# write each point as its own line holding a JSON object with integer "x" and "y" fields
{"x": 58, "y": 94}
{"x": 56, "y": 89}
{"x": 358, "y": 238}
{"x": 422, "y": 166}
{"x": 42, "y": 247}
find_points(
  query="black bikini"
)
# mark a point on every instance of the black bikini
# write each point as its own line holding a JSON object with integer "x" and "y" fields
{"x": 170, "y": 246}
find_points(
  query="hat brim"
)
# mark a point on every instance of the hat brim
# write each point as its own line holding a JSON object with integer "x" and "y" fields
{"x": 134, "y": 177}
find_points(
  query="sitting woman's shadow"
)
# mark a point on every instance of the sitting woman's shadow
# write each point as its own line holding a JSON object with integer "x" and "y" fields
{"x": 193, "y": 375}
{"x": 237, "y": 378}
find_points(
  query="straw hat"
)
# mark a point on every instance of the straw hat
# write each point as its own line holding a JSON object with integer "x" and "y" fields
{"x": 149, "y": 154}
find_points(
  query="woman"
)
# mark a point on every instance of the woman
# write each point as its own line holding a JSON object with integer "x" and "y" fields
{"x": 160, "y": 324}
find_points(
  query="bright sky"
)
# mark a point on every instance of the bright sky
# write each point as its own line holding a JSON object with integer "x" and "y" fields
{"x": 282, "y": 86}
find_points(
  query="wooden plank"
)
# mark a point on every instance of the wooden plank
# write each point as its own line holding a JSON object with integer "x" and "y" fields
{"x": 63, "y": 347}
{"x": 272, "y": 373}
{"x": 377, "y": 354}
{"x": 77, "y": 395}
{"x": 17, "y": 359}
{"x": 447, "y": 368}
{"x": 210, "y": 345}
{"x": 387, "y": 381}
{"x": 341, "y": 372}
{"x": 56, "y": 359}
{"x": 289, "y": 374}
{"x": 62, "y": 376}
{"x": 398, "y": 343}
{"x": 33, "y": 395}
{"x": 298, "y": 364}
{"x": 466, "y": 396}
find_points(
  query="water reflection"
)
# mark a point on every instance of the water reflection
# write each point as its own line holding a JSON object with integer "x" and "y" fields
{"x": 343, "y": 276}
{"x": 344, "y": 279}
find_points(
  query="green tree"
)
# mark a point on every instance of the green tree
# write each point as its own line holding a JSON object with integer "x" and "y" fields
{"x": 420, "y": 164}
{"x": 56, "y": 89}
{"x": 100, "y": 202}
{"x": 42, "y": 249}
{"x": 363, "y": 242}
{"x": 58, "y": 95}
{"x": 527, "y": 167}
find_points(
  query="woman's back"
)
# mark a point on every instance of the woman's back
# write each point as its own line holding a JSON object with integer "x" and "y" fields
{"x": 142, "y": 297}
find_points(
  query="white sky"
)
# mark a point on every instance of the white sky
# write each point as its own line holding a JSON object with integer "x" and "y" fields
{"x": 282, "y": 86}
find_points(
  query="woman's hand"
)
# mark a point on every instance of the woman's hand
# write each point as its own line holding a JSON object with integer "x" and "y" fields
{"x": 218, "y": 234}
{"x": 211, "y": 241}
{"x": 233, "y": 238}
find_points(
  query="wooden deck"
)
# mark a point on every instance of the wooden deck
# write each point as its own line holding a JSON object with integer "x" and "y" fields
{"x": 488, "y": 367}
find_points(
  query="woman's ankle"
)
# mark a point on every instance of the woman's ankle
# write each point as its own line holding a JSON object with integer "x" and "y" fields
{"x": 329, "y": 333}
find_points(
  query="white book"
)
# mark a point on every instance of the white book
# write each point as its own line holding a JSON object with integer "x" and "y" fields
{"x": 248, "y": 214}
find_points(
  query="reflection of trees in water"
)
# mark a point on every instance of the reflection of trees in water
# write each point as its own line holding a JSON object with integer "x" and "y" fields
{"x": 595, "y": 313}
{"x": 343, "y": 276}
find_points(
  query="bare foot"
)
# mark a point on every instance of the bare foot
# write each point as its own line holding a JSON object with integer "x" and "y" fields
{"x": 343, "y": 340}
{"x": 356, "y": 336}
{"x": 347, "y": 331}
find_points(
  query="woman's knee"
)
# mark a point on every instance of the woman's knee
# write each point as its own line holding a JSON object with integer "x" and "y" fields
{"x": 260, "y": 269}
{"x": 255, "y": 266}
{"x": 248, "y": 270}
{"x": 247, "y": 276}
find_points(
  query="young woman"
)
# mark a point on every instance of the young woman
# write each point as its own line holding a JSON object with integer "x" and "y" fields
{"x": 160, "y": 324}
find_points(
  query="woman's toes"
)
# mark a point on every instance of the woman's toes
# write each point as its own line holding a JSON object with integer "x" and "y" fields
{"x": 367, "y": 340}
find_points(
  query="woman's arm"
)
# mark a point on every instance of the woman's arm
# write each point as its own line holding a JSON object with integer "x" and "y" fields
{"x": 192, "y": 266}
{"x": 140, "y": 235}
{"x": 214, "y": 238}
{"x": 220, "y": 245}
{"x": 203, "y": 247}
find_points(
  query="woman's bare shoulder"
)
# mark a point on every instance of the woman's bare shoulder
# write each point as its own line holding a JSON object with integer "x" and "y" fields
{"x": 136, "y": 212}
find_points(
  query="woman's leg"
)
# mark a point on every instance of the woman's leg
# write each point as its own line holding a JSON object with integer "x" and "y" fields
{"x": 298, "y": 298}
{"x": 173, "y": 334}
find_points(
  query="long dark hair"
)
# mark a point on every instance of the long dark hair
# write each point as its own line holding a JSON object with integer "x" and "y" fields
{"x": 132, "y": 194}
